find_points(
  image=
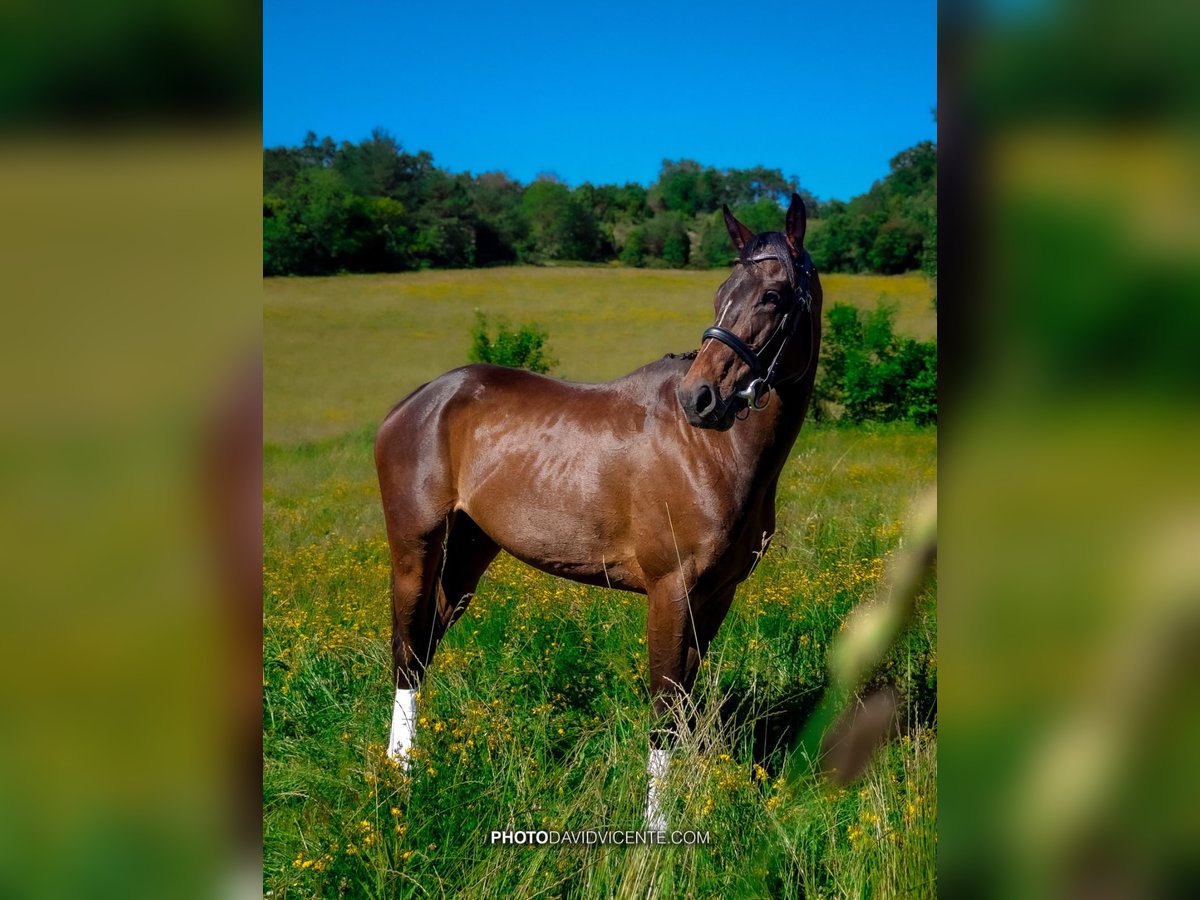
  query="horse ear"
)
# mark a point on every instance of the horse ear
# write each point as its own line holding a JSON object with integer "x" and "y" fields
{"x": 738, "y": 233}
{"x": 797, "y": 221}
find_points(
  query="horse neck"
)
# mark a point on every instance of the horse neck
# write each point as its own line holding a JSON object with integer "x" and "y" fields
{"x": 769, "y": 435}
{"x": 794, "y": 396}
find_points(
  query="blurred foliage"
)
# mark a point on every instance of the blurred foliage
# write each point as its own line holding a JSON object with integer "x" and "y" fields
{"x": 1070, "y": 646}
{"x": 375, "y": 207}
{"x": 869, "y": 373}
{"x": 104, "y": 65}
{"x": 1073, "y": 61}
{"x": 522, "y": 348}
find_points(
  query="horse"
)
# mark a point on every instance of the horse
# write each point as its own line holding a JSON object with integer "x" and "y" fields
{"x": 662, "y": 482}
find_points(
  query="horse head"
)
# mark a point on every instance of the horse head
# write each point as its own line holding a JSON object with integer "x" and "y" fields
{"x": 762, "y": 336}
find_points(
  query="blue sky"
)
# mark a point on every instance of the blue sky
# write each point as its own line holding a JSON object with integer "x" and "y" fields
{"x": 605, "y": 91}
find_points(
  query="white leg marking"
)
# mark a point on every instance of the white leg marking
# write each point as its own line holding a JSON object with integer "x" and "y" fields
{"x": 404, "y": 725}
{"x": 656, "y": 768}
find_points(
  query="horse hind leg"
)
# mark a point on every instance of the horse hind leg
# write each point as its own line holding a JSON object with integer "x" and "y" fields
{"x": 415, "y": 568}
{"x": 431, "y": 588}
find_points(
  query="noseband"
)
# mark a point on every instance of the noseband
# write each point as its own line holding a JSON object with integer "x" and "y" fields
{"x": 757, "y": 393}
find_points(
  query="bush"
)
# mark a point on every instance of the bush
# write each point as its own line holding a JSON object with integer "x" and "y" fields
{"x": 868, "y": 373}
{"x": 524, "y": 348}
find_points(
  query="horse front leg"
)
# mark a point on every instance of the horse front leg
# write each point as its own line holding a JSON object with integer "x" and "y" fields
{"x": 679, "y": 627}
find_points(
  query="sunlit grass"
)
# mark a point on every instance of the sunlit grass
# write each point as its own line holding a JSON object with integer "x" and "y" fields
{"x": 341, "y": 351}
{"x": 535, "y": 712}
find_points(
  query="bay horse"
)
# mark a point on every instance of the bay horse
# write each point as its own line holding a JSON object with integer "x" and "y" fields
{"x": 661, "y": 482}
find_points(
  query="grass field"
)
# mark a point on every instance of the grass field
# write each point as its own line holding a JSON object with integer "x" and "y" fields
{"x": 535, "y": 712}
{"x": 340, "y": 351}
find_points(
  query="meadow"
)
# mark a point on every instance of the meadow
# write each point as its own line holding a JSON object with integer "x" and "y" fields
{"x": 535, "y": 712}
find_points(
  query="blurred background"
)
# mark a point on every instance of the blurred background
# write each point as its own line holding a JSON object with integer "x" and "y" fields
{"x": 130, "y": 429}
{"x": 130, "y": 165}
{"x": 1070, "y": 543}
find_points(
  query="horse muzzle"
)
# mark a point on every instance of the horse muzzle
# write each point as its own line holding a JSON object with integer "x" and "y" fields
{"x": 703, "y": 407}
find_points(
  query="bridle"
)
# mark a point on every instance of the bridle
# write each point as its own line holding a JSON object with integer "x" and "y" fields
{"x": 757, "y": 393}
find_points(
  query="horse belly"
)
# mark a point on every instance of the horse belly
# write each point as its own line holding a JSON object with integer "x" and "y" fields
{"x": 568, "y": 527}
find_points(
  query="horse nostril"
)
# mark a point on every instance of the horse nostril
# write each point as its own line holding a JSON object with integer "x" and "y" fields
{"x": 706, "y": 400}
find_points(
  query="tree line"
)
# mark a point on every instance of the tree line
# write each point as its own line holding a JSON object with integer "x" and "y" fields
{"x": 372, "y": 206}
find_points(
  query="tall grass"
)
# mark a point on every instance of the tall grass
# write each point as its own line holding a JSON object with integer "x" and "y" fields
{"x": 535, "y": 712}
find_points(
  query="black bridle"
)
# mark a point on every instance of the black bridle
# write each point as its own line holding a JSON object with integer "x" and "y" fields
{"x": 758, "y": 392}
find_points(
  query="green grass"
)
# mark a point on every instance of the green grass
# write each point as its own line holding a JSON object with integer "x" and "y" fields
{"x": 536, "y": 708}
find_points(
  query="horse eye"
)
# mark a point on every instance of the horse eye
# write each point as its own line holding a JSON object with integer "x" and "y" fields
{"x": 771, "y": 296}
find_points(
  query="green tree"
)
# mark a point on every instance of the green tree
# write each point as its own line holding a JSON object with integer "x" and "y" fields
{"x": 745, "y": 187}
{"x": 446, "y": 221}
{"x": 665, "y": 241}
{"x": 634, "y": 251}
{"x": 499, "y": 228}
{"x": 842, "y": 335}
{"x": 324, "y": 214}
{"x": 763, "y": 215}
{"x": 316, "y": 153}
{"x": 715, "y": 250}
{"x": 832, "y": 245}
{"x": 373, "y": 167}
{"x": 372, "y": 206}
{"x": 611, "y": 203}
{"x": 559, "y": 226}
{"x": 914, "y": 171}
{"x": 389, "y": 241}
{"x": 687, "y": 188}
{"x": 891, "y": 228}
{"x": 283, "y": 252}
{"x": 280, "y": 166}
{"x": 896, "y": 248}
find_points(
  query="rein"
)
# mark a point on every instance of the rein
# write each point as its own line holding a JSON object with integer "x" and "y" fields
{"x": 757, "y": 393}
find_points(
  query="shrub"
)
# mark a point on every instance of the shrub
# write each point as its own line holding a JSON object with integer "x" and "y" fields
{"x": 921, "y": 406}
{"x": 868, "y": 373}
{"x": 524, "y": 348}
